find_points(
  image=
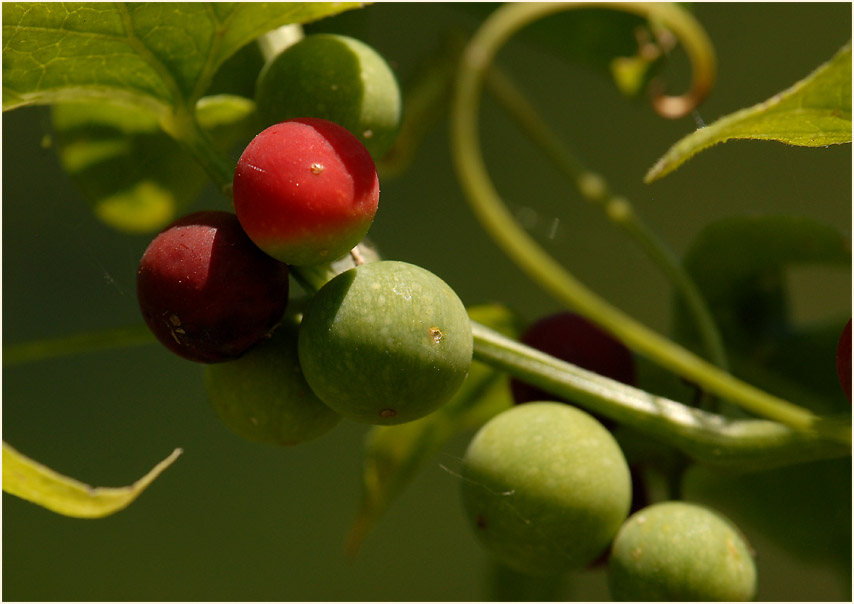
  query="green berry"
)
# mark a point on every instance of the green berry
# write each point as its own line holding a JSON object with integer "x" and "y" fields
{"x": 676, "y": 551}
{"x": 546, "y": 487}
{"x": 336, "y": 78}
{"x": 263, "y": 396}
{"x": 385, "y": 343}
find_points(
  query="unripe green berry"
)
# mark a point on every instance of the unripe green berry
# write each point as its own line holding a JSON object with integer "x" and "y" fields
{"x": 385, "y": 343}
{"x": 677, "y": 551}
{"x": 336, "y": 78}
{"x": 263, "y": 396}
{"x": 546, "y": 487}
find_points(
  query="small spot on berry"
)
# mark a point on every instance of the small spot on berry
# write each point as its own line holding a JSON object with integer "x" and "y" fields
{"x": 436, "y": 334}
{"x": 388, "y": 413}
{"x": 317, "y": 168}
{"x": 480, "y": 521}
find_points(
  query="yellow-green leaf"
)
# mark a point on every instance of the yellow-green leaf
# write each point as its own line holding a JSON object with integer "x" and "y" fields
{"x": 815, "y": 112}
{"x": 157, "y": 54}
{"x": 38, "y": 484}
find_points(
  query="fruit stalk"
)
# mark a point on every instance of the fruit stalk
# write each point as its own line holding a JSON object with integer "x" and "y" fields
{"x": 749, "y": 444}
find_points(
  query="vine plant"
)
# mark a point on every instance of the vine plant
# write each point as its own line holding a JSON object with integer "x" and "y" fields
{"x": 144, "y": 87}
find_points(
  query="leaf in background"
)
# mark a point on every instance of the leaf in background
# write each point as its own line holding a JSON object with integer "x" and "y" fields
{"x": 815, "y": 112}
{"x": 805, "y": 508}
{"x": 394, "y": 454}
{"x": 739, "y": 265}
{"x": 158, "y": 54}
{"x": 38, "y": 484}
{"x": 136, "y": 177}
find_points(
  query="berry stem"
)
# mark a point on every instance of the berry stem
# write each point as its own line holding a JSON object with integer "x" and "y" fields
{"x": 531, "y": 257}
{"x": 707, "y": 437}
{"x": 183, "y": 126}
{"x": 275, "y": 41}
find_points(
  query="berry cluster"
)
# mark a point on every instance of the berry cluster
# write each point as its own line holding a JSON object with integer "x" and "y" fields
{"x": 381, "y": 343}
{"x": 546, "y": 486}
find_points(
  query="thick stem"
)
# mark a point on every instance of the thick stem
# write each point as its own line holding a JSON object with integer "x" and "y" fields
{"x": 749, "y": 444}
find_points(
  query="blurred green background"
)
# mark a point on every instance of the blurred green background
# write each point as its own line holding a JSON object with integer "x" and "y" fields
{"x": 236, "y": 521}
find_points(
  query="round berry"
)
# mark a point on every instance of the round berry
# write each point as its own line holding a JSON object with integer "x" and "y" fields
{"x": 843, "y": 359}
{"x": 306, "y": 191}
{"x": 546, "y": 487}
{"x": 677, "y": 551}
{"x": 206, "y": 291}
{"x": 336, "y": 78}
{"x": 385, "y": 343}
{"x": 574, "y": 339}
{"x": 263, "y": 396}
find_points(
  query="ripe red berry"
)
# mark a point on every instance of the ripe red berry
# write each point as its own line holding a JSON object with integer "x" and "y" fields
{"x": 306, "y": 191}
{"x": 574, "y": 339}
{"x": 843, "y": 359}
{"x": 206, "y": 291}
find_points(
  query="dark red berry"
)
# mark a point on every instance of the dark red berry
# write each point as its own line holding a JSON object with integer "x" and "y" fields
{"x": 206, "y": 291}
{"x": 574, "y": 339}
{"x": 843, "y": 359}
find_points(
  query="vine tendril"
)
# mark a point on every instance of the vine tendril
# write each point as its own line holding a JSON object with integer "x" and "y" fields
{"x": 545, "y": 270}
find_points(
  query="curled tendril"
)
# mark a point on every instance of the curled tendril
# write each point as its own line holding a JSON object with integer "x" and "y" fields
{"x": 541, "y": 266}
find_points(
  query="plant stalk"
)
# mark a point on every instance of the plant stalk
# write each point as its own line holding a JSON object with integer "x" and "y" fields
{"x": 745, "y": 444}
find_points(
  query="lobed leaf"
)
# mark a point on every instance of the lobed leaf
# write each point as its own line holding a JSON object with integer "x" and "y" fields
{"x": 38, "y": 484}
{"x": 160, "y": 55}
{"x": 815, "y": 112}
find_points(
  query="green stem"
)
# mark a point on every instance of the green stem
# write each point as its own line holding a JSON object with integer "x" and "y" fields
{"x": 539, "y": 265}
{"x": 618, "y": 209}
{"x": 40, "y": 350}
{"x": 183, "y": 126}
{"x": 746, "y": 444}
{"x": 275, "y": 41}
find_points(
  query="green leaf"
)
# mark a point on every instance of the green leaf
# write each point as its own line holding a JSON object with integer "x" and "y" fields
{"x": 161, "y": 55}
{"x": 394, "y": 454}
{"x": 740, "y": 267}
{"x": 38, "y": 484}
{"x": 815, "y": 112}
{"x": 136, "y": 177}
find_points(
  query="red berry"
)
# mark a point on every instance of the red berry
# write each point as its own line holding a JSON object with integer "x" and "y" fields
{"x": 574, "y": 339}
{"x": 206, "y": 291}
{"x": 843, "y": 359}
{"x": 306, "y": 191}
